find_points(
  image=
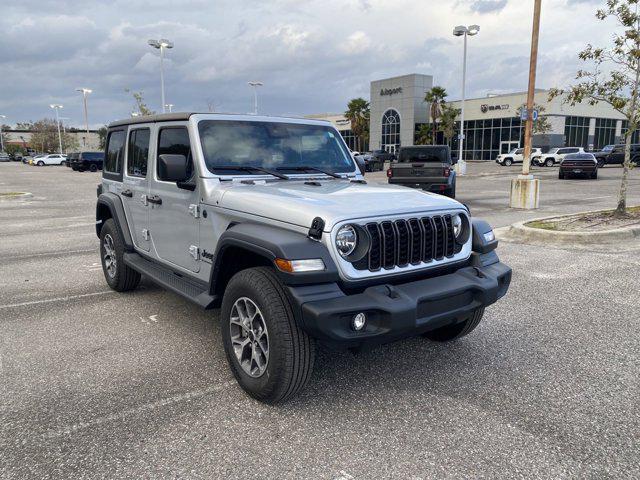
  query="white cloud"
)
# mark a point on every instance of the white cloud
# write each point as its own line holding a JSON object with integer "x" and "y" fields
{"x": 357, "y": 42}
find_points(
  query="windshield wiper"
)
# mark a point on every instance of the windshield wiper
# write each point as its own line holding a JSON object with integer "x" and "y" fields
{"x": 242, "y": 168}
{"x": 303, "y": 168}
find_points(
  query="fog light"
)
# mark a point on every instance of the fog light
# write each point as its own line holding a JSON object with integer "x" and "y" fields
{"x": 358, "y": 321}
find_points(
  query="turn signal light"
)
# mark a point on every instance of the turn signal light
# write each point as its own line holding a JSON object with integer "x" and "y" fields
{"x": 300, "y": 266}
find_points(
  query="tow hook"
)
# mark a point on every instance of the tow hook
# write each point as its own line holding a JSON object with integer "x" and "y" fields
{"x": 391, "y": 291}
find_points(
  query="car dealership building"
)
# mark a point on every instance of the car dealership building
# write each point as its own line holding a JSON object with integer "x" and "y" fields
{"x": 492, "y": 124}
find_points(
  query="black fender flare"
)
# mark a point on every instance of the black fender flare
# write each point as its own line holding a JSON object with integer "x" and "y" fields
{"x": 113, "y": 203}
{"x": 270, "y": 243}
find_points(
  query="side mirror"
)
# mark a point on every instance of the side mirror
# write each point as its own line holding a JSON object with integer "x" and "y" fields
{"x": 361, "y": 164}
{"x": 173, "y": 168}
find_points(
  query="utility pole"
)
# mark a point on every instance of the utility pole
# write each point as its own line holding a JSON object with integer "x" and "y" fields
{"x": 57, "y": 107}
{"x": 525, "y": 189}
{"x": 85, "y": 92}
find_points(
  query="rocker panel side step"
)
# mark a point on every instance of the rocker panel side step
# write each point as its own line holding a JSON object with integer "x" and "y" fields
{"x": 191, "y": 289}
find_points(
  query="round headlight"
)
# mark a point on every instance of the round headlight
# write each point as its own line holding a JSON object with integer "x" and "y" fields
{"x": 457, "y": 226}
{"x": 346, "y": 240}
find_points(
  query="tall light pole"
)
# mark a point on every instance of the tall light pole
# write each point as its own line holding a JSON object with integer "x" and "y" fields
{"x": 57, "y": 107}
{"x": 169, "y": 106}
{"x": 161, "y": 45}
{"x": 525, "y": 189}
{"x": 255, "y": 85}
{"x": 462, "y": 31}
{"x": 1, "y": 140}
{"x": 85, "y": 92}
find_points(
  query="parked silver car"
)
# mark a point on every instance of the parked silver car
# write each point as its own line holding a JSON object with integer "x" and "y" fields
{"x": 271, "y": 220}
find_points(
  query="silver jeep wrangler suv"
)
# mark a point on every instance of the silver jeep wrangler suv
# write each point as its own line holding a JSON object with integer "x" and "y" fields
{"x": 271, "y": 220}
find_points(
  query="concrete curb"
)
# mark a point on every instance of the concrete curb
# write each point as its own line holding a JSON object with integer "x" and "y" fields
{"x": 521, "y": 232}
{"x": 19, "y": 196}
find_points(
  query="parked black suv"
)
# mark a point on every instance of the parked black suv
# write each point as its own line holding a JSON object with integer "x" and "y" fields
{"x": 91, "y": 161}
{"x": 378, "y": 159}
{"x": 616, "y": 155}
{"x": 429, "y": 167}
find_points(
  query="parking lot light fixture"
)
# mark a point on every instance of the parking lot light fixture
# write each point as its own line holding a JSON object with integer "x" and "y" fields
{"x": 161, "y": 45}
{"x": 255, "y": 84}
{"x": 462, "y": 31}
{"x": 85, "y": 92}
{"x": 57, "y": 107}
{"x": 1, "y": 140}
{"x": 169, "y": 106}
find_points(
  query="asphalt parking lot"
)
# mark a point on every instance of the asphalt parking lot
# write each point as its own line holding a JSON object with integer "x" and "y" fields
{"x": 96, "y": 384}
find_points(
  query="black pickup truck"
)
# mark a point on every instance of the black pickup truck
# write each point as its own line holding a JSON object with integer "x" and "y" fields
{"x": 429, "y": 167}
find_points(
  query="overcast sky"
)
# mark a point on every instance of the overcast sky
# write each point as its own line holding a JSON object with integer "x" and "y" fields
{"x": 312, "y": 55}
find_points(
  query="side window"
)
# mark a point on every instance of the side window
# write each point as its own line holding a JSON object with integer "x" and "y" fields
{"x": 138, "y": 152}
{"x": 175, "y": 141}
{"x": 115, "y": 150}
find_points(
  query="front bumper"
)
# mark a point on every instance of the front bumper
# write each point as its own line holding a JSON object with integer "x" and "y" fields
{"x": 398, "y": 311}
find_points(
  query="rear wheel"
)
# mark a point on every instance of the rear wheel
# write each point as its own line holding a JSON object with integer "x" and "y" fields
{"x": 270, "y": 356}
{"x": 93, "y": 168}
{"x": 119, "y": 276}
{"x": 456, "y": 330}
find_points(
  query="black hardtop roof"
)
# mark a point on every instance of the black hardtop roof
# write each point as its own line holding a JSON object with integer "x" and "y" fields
{"x": 160, "y": 117}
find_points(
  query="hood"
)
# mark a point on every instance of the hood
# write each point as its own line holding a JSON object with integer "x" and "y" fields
{"x": 334, "y": 201}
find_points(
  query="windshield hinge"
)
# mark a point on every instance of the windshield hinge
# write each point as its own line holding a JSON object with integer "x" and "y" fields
{"x": 317, "y": 227}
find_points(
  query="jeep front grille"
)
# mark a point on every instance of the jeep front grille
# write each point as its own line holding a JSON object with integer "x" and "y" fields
{"x": 413, "y": 241}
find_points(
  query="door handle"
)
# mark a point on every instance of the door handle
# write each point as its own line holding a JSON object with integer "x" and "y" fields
{"x": 126, "y": 193}
{"x": 154, "y": 199}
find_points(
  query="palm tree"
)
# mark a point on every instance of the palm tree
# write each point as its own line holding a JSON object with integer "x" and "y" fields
{"x": 448, "y": 121}
{"x": 435, "y": 97}
{"x": 423, "y": 135}
{"x": 358, "y": 114}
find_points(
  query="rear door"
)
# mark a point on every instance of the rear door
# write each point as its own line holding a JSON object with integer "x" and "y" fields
{"x": 173, "y": 211}
{"x": 135, "y": 185}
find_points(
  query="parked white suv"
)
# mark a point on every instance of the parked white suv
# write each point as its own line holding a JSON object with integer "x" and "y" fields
{"x": 554, "y": 156}
{"x": 270, "y": 220}
{"x": 51, "y": 159}
{"x": 515, "y": 156}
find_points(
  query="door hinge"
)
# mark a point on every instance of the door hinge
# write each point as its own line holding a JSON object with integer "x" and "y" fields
{"x": 194, "y": 210}
{"x": 145, "y": 234}
{"x": 194, "y": 251}
{"x": 143, "y": 199}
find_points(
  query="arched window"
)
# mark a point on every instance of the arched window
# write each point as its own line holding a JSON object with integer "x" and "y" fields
{"x": 390, "y": 130}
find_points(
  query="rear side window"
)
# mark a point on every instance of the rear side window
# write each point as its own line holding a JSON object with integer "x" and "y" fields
{"x": 175, "y": 141}
{"x": 115, "y": 151}
{"x": 138, "y": 152}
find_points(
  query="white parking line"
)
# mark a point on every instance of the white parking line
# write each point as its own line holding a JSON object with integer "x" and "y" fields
{"x": 122, "y": 415}
{"x": 57, "y": 299}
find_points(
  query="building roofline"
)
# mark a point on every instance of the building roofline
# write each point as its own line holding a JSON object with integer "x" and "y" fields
{"x": 498, "y": 95}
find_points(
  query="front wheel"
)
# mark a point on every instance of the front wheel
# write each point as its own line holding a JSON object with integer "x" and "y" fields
{"x": 560, "y": 175}
{"x": 549, "y": 162}
{"x": 601, "y": 163}
{"x": 40, "y": 163}
{"x": 93, "y": 168}
{"x": 508, "y": 162}
{"x": 457, "y": 330}
{"x": 270, "y": 356}
{"x": 594, "y": 175}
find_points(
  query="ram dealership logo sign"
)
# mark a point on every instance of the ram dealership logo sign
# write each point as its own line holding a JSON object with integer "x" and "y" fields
{"x": 390, "y": 91}
{"x": 484, "y": 108}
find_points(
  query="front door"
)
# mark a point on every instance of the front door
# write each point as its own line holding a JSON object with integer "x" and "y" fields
{"x": 506, "y": 147}
{"x": 135, "y": 186}
{"x": 173, "y": 222}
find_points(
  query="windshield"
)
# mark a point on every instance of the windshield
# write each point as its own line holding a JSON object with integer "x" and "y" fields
{"x": 92, "y": 155}
{"x": 272, "y": 146}
{"x": 608, "y": 148}
{"x": 553, "y": 150}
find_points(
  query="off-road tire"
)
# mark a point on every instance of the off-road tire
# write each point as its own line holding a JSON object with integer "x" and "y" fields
{"x": 507, "y": 162}
{"x": 125, "y": 278}
{"x": 291, "y": 350}
{"x": 456, "y": 330}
